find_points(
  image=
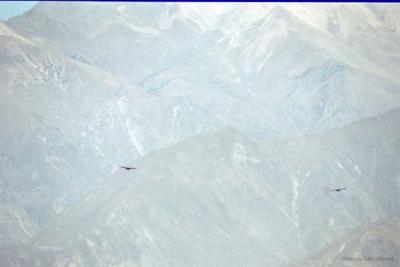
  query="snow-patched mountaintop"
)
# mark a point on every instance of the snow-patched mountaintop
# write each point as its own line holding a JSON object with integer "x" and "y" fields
{"x": 305, "y": 67}
{"x": 211, "y": 16}
{"x": 344, "y": 23}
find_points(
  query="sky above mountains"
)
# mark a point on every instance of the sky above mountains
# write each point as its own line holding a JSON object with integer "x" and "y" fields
{"x": 10, "y": 9}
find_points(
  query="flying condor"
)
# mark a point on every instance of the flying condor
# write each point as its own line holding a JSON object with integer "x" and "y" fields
{"x": 338, "y": 189}
{"x": 128, "y": 168}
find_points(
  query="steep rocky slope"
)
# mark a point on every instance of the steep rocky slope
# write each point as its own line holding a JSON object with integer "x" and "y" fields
{"x": 239, "y": 117}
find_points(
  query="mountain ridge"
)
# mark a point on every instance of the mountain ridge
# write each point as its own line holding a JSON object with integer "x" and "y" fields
{"x": 238, "y": 118}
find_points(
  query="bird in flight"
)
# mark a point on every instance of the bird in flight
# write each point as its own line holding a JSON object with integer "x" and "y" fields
{"x": 128, "y": 168}
{"x": 338, "y": 189}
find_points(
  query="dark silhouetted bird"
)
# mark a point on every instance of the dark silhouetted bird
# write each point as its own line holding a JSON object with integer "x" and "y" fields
{"x": 338, "y": 189}
{"x": 128, "y": 168}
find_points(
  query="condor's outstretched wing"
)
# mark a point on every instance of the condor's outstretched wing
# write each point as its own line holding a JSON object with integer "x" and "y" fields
{"x": 128, "y": 168}
{"x": 338, "y": 189}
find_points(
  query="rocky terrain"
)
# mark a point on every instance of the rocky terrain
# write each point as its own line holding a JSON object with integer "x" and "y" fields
{"x": 240, "y": 118}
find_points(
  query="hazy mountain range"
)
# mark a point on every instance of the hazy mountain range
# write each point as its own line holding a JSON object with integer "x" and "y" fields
{"x": 239, "y": 117}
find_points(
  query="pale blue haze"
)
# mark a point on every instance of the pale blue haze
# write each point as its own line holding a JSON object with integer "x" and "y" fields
{"x": 10, "y": 9}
